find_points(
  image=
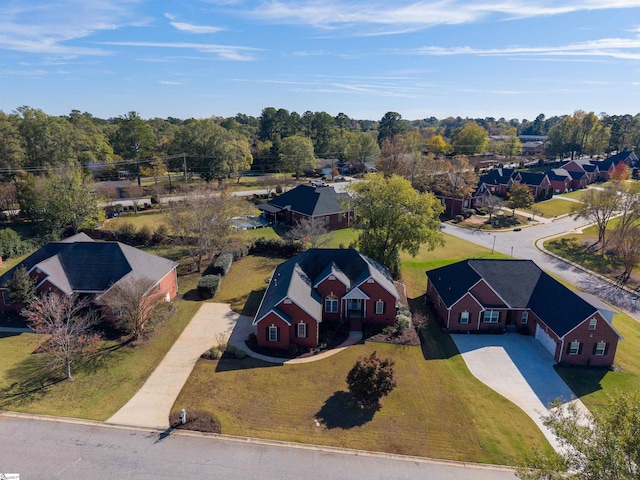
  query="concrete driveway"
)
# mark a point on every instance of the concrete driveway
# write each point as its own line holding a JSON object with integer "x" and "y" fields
{"x": 519, "y": 368}
{"x": 151, "y": 405}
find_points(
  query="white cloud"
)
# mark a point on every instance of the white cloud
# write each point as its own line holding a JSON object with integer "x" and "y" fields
{"x": 228, "y": 52}
{"x": 623, "y": 48}
{"x": 170, "y": 82}
{"x": 380, "y": 17}
{"x": 189, "y": 27}
{"x": 47, "y": 27}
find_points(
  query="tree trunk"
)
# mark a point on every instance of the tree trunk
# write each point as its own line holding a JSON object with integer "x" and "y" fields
{"x": 68, "y": 369}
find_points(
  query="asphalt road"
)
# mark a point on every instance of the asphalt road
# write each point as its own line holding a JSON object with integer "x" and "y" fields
{"x": 56, "y": 449}
{"x": 522, "y": 245}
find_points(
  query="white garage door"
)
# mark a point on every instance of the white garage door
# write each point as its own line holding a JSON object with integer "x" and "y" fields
{"x": 545, "y": 339}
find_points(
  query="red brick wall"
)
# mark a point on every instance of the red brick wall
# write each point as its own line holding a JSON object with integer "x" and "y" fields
{"x": 466, "y": 304}
{"x": 376, "y": 292}
{"x": 589, "y": 338}
{"x": 335, "y": 287}
{"x": 263, "y": 336}
{"x": 336, "y": 221}
{"x": 169, "y": 284}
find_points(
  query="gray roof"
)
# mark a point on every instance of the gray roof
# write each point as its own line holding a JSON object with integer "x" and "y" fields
{"x": 312, "y": 201}
{"x": 80, "y": 264}
{"x": 295, "y": 278}
{"x": 521, "y": 284}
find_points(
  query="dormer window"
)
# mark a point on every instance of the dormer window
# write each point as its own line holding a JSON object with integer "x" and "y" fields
{"x": 593, "y": 323}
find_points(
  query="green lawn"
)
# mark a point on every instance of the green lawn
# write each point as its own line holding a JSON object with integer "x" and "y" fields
{"x": 455, "y": 249}
{"x": 552, "y": 208}
{"x": 102, "y": 384}
{"x": 437, "y": 410}
{"x": 576, "y": 194}
{"x": 149, "y": 218}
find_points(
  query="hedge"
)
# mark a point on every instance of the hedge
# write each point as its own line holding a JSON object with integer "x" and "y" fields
{"x": 222, "y": 264}
{"x": 208, "y": 286}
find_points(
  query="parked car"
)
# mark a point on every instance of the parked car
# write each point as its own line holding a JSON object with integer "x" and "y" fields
{"x": 318, "y": 183}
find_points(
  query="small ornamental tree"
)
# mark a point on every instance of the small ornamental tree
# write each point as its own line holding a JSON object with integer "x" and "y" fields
{"x": 21, "y": 289}
{"x": 370, "y": 379}
{"x": 520, "y": 196}
{"x": 68, "y": 323}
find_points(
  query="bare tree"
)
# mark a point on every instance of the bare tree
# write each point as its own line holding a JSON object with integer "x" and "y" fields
{"x": 202, "y": 223}
{"x": 133, "y": 301}
{"x": 68, "y": 322}
{"x": 492, "y": 205}
{"x": 311, "y": 233}
{"x": 135, "y": 193}
{"x": 626, "y": 243}
{"x": 599, "y": 206}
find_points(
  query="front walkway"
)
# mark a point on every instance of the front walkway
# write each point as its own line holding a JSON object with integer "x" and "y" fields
{"x": 151, "y": 405}
{"x": 520, "y": 369}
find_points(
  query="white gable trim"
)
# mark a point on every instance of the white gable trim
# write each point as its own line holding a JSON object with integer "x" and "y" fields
{"x": 297, "y": 305}
{"x": 336, "y": 277}
{"x": 275, "y": 312}
{"x": 472, "y": 296}
{"x": 355, "y": 294}
{"x": 395, "y": 295}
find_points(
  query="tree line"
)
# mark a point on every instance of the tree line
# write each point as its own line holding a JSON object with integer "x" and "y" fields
{"x": 218, "y": 147}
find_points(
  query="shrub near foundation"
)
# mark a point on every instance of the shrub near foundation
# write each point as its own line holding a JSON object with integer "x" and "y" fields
{"x": 208, "y": 286}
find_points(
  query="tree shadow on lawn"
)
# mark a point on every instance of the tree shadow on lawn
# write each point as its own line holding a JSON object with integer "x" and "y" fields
{"x": 339, "y": 411}
{"x": 229, "y": 363}
{"x": 252, "y": 303}
{"x": 28, "y": 380}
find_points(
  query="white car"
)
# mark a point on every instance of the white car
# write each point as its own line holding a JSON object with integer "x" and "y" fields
{"x": 318, "y": 183}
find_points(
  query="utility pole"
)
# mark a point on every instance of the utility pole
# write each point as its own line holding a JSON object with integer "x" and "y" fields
{"x": 184, "y": 163}
{"x": 137, "y": 146}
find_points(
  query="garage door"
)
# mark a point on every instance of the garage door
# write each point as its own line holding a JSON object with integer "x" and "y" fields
{"x": 545, "y": 339}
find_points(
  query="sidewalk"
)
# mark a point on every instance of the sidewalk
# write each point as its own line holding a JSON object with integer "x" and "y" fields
{"x": 151, "y": 405}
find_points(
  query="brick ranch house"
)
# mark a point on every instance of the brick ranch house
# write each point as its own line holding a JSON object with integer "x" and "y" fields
{"x": 80, "y": 265}
{"x": 319, "y": 285}
{"x": 484, "y": 295}
{"x": 322, "y": 204}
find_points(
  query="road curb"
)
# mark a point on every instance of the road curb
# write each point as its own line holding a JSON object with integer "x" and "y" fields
{"x": 260, "y": 441}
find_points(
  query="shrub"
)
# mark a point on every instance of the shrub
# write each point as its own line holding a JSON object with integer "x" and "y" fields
{"x": 160, "y": 235}
{"x": 125, "y": 232}
{"x": 403, "y": 322}
{"x": 275, "y": 246}
{"x": 370, "y": 379}
{"x": 388, "y": 330}
{"x": 11, "y": 244}
{"x": 240, "y": 354}
{"x": 144, "y": 235}
{"x": 238, "y": 251}
{"x": 208, "y": 286}
{"x": 467, "y": 212}
{"x": 459, "y": 218}
{"x": 292, "y": 349}
{"x": 222, "y": 264}
{"x": 213, "y": 353}
{"x": 481, "y": 211}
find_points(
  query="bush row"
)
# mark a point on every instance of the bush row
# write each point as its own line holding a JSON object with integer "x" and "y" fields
{"x": 276, "y": 246}
{"x": 129, "y": 234}
{"x": 208, "y": 286}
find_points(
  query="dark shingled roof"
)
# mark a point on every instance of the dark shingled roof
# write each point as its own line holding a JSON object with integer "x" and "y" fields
{"x": 528, "y": 178}
{"x": 312, "y": 201}
{"x": 296, "y": 277}
{"x": 558, "y": 174}
{"x": 79, "y": 264}
{"x": 521, "y": 284}
{"x": 497, "y": 176}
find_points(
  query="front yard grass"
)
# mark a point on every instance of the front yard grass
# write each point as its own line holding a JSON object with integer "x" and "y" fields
{"x": 552, "y": 208}
{"x": 438, "y": 409}
{"x": 101, "y": 385}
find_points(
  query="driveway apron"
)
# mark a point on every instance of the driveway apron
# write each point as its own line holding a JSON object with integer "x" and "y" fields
{"x": 151, "y": 405}
{"x": 519, "y": 368}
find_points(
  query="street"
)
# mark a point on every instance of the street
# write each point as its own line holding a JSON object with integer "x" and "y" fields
{"x": 61, "y": 449}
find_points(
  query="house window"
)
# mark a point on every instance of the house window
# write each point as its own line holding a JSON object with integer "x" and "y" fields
{"x": 464, "y": 317}
{"x": 273, "y": 333}
{"x": 379, "y": 307}
{"x": 575, "y": 347}
{"x": 524, "y": 317}
{"x": 341, "y": 217}
{"x": 5, "y": 300}
{"x": 116, "y": 312}
{"x": 327, "y": 220}
{"x": 592, "y": 323}
{"x": 302, "y": 330}
{"x": 600, "y": 348}
{"x": 331, "y": 304}
{"x": 491, "y": 316}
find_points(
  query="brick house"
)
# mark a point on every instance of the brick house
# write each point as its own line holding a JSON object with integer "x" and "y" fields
{"x": 560, "y": 180}
{"x": 498, "y": 181}
{"x": 319, "y": 285}
{"x": 80, "y": 265}
{"x": 538, "y": 183}
{"x": 494, "y": 296}
{"x": 322, "y": 204}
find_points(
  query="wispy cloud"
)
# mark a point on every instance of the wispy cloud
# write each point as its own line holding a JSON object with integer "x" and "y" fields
{"x": 227, "y": 52}
{"x": 170, "y": 82}
{"x": 380, "y": 17}
{"x": 624, "y": 48}
{"x": 49, "y": 27}
{"x": 191, "y": 28}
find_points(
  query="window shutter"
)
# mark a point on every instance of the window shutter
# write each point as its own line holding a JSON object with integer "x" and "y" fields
{"x": 595, "y": 345}
{"x": 568, "y": 348}
{"x": 266, "y": 331}
{"x": 606, "y": 348}
{"x": 579, "y": 348}
{"x": 384, "y": 307}
{"x": 278, "y": 334}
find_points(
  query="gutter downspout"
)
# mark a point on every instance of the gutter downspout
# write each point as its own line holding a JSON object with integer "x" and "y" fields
{"x": 561, "y": 350}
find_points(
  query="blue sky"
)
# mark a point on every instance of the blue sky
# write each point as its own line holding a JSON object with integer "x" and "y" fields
{"x": 198, "y": 58}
